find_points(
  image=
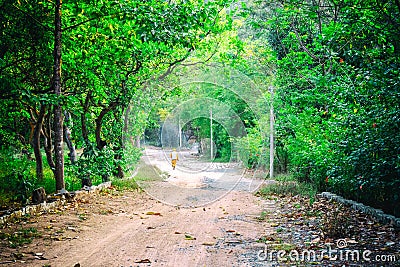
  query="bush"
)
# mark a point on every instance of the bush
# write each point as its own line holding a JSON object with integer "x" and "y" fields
{"x": 251, "y": 149}
{"x": 16, "y": 176}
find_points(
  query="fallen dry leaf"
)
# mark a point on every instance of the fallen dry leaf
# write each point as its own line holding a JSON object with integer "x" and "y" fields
{"x": 143, "y": 261}
{"x": 189, "y": 237}
{"x": 153, "y": 213}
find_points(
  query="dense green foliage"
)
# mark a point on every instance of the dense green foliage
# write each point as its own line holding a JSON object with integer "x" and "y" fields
{"x": 338, "y": 101}
{"x": 131, "y": 67}
{"x": 110, "y": 50}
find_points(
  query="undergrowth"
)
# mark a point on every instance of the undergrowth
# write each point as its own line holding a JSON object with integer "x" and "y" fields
{"x": 125, "y": 184}
{"x": 288, "y": 185}
{"x": 20, "y": 237}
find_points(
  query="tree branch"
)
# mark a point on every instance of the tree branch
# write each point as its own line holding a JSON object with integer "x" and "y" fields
{"x": 201, "y": 62}
{"x": 173, "y": 65}
{"x": 99, "y": 120}
{"x": 34, "y": 19}
{"x": 89, "y": 20}
{"x": 301, "y": 42}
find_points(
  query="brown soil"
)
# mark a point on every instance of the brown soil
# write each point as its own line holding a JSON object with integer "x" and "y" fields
{"x": 203, "y": 223}
{"x": 194, "y": 216}
{"x": 132, "y": 229}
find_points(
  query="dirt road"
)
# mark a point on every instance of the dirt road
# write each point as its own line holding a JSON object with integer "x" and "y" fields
{"x": 208, "y": 218}
{"x": 200, "y": 214}
{"x": 195, "y": 182}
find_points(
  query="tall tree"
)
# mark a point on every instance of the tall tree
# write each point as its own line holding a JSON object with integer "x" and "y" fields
{"x": 58, "y": 118}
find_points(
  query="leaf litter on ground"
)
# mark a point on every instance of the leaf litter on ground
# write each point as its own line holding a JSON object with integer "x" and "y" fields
{"x": 324, "y": 224}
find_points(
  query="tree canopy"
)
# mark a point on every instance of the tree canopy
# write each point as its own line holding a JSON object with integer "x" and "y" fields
{"x": 337, "y": 99}
{"x": 96, "y": 76}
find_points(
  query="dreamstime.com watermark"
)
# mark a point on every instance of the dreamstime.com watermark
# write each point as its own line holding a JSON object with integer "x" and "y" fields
{"x": 341, "y": 253}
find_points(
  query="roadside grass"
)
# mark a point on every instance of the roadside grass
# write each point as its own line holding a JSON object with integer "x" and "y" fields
{"x": 148, "y": 173}
{"x": 288, "y": 185}
{"x": 144, "y": 173}
{"x": 125, "y": 184}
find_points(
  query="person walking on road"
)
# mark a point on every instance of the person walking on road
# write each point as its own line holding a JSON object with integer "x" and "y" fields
{"x": 174, "y": 158}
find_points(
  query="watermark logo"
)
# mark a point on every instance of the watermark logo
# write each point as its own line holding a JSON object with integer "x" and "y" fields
{"x": 341, "y": 243}
{"x": 342, "y": 253}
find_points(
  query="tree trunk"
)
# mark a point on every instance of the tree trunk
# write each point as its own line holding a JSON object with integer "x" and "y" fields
{"x": 118, "y": 172}
{"x": 125, "y": 133}
{"x": 137, "y": 141}
{"x": 36, "y": 143}
{"x": 58, "y": 119}
{"x": 68, "y": 141}
{"x": 99, "y": 121}
{"x": 100, "y": 143}
{"x": 48, "y": 144}
{"x": 85, "y": 133}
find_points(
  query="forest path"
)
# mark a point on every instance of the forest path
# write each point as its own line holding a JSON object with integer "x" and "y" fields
{"x": 195, "y": 181}
{"x": 211, "y": 220}
{"x": 206, "y": 219}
